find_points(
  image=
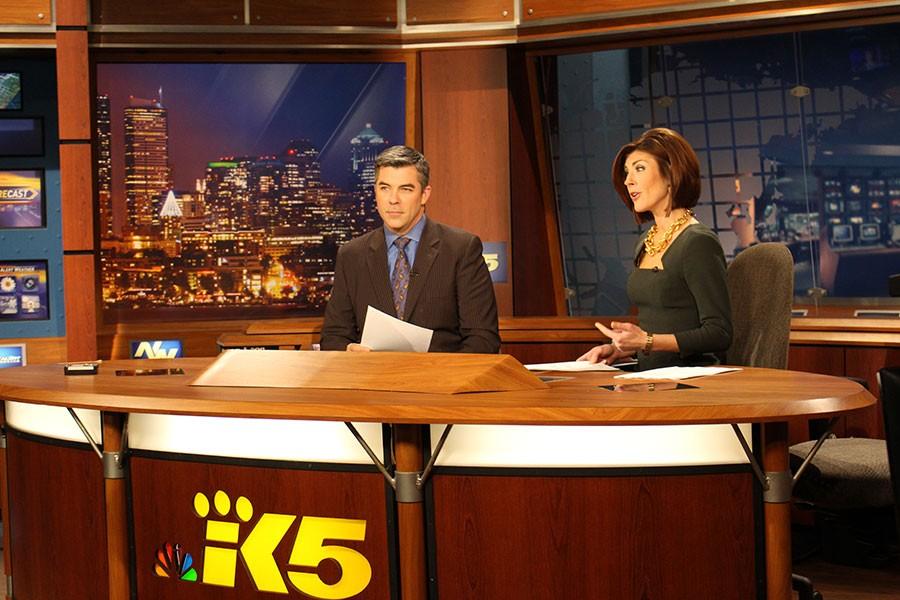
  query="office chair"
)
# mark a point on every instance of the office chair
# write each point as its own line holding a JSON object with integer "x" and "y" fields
{"x": 852, "y": 484}
{"x": 761, "y": 288}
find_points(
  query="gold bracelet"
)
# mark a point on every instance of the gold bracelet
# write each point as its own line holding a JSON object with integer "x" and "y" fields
{"x": 648, "y": 345}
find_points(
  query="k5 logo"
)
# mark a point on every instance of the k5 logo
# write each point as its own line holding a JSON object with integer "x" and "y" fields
{"x": 156, "y": 349}
{"x": 492, "y": 259}
{"x": 256, "y": 552}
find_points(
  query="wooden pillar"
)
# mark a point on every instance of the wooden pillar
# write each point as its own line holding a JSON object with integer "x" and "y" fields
{"x": 75, "y": 168}
{"x": 118, "y": 556}
{"x": 777, "y": 516}
{"x": 465, "y": 132}
{"x": 410, "y": 516}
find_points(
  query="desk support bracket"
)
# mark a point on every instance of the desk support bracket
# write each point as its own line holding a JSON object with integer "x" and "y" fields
{"x": 407, "y": 485}
{"x": 778, "y": 486}
{"x": 113, "y": 462}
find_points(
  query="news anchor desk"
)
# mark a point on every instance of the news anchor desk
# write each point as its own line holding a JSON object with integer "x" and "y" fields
{"x": 259, "y": 492}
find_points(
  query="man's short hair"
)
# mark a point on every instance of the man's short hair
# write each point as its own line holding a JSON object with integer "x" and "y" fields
{"x": 403, "y": 156}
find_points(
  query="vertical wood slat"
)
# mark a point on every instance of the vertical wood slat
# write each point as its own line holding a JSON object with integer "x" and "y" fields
{"x": 533, "y": 287}
{"x": 75, "y": 168}
{"x": 73, "y": 82}
{"x": 81, "y": 307}
{"x": 71, "y": 13}
{"x": 465, "y": 126}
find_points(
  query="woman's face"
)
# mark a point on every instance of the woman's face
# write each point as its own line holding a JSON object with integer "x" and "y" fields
{"x": 648, "y": 188}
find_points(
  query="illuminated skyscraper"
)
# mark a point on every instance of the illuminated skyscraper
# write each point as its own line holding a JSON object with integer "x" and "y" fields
{"x": 364, "y": 148}
{"x": 227, "y": 193}
{"x": 103, "y": 133}
{"x": 147, "y": 177}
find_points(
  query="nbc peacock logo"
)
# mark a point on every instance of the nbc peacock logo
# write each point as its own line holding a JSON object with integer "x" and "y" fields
{"x": 224, "y": 543}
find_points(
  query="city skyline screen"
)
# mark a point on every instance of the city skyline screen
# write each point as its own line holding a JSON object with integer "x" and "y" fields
{"x": 225, "y": 189}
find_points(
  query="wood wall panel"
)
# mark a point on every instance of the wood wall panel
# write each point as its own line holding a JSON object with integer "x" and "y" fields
{"x": 73, "y": 85}
{"x": 324, "y": 13}
{"x": 56, "y": 514}
{"x": 533, "y": 10}
{"x": 26, "y": 12}
{"x": 71, "y": 12}
{"x": 162, "y": 493}
{"x": 428, "y": 12}
{"x": 168, "y": 12}
{"x": 466, "y": 140}
{"x": 684, "y": 536}
{"x": 41, "y": 351}
{"x": 75, "y": 170}
{"x": 81, "y": 306}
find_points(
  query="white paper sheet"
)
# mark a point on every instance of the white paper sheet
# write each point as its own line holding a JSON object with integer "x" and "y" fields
{"x": 676, "y": 373}
{"x": 571, "y": 366}
{"x": 384, "y": 332}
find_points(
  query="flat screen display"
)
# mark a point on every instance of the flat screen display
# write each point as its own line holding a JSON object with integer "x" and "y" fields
{"x": 21, "y": 136}
{"x": 10, "y": 91}
{"x": 22, "y": 199}
{"x": 23, "y": 290}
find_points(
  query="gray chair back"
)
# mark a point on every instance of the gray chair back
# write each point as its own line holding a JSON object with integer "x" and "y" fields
{"x": 761, "y": 287}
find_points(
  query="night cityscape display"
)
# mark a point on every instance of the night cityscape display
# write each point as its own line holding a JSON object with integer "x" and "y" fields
{"x": 226, "y": 189}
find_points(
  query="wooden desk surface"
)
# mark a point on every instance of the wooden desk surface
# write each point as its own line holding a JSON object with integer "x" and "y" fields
{"x": 751, "y": 395}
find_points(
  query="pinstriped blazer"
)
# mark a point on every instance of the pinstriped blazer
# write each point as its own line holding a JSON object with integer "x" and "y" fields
{"x": 450, "y": 291}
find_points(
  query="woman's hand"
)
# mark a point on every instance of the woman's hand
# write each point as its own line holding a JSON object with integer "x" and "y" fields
{"x": 626, "y": 337}
{"x": 607, "y": 353}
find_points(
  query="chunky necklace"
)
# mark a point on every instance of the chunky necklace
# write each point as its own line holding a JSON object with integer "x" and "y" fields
{"x": 651, "y": 247}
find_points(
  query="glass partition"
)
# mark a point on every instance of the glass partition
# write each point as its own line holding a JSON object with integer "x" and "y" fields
{"x": 798, "y": 137}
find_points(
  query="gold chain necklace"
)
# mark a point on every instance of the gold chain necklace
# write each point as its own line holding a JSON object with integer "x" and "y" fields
{"x": 651, "y": 247}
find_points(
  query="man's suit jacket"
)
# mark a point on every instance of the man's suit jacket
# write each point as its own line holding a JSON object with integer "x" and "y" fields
{"x": 450, "y": 291}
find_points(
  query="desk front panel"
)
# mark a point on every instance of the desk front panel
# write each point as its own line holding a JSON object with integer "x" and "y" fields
{"x": 255, "y": 525}
{"x": 502, "y": 534}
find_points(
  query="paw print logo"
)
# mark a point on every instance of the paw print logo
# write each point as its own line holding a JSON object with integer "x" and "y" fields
{"x": 173, "y": 561}
{"x": 219, "y": 563}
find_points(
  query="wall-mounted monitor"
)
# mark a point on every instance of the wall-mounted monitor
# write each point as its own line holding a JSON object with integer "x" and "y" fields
{"x": 10, "y": 90}
{"x": 22, "y": 199}
{"x": 23, "y": 290}
{"x": 841, "y": 234}
{"x": 21, "y": 136}
{"x": 225, "y": 189}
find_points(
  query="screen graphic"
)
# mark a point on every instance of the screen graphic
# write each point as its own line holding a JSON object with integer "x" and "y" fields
{"x": 23, "y": 291}
{"x": 22, "y": 199}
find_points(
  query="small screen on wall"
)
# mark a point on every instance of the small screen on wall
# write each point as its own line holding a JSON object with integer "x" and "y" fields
{"x": 23, "y": 291}
{"x": 10, "y": 91}
{"x": 21, "y": 199}
{"x": 22, "y": 137}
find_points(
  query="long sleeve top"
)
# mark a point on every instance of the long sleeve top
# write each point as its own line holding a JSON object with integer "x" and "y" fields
{"x": 688, "y": 297}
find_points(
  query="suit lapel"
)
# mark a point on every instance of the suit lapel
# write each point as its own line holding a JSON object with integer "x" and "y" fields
{"x": 376, "y": 263}
{"x": 427, "y": 251}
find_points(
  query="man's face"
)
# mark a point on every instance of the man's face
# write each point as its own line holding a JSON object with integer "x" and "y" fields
{"x": 400, "y": 198}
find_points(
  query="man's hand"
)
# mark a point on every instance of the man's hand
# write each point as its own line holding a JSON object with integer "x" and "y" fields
{"x": 358, "y": 348}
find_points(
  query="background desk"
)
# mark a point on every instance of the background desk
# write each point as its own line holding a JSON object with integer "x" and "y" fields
{"x": 639, "y": 524}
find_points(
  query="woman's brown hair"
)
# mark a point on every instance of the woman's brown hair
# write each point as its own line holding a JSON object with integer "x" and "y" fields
{"x": 677, "y": 162}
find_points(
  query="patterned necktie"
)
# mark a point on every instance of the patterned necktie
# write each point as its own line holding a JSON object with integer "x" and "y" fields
{"x": 400, "y": 278}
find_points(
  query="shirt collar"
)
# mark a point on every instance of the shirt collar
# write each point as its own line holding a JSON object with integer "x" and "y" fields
{"x": 414, "y": 234}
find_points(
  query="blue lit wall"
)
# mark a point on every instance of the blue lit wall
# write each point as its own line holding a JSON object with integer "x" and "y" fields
{"x": 38, "y": 100}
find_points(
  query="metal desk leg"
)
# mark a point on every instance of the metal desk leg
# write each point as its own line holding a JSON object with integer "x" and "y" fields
{"x": 410, "y": 515}
{"x": 777, "y": 514}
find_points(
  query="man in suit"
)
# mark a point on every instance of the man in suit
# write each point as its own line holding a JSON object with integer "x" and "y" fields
{"x": 421, "y": 271}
